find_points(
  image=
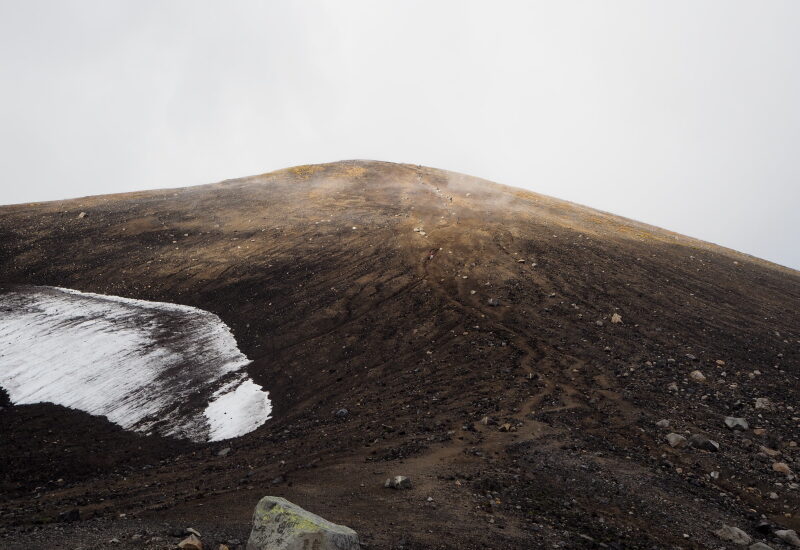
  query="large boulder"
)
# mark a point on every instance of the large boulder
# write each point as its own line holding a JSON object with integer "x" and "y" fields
{"x": 280, "y": 525}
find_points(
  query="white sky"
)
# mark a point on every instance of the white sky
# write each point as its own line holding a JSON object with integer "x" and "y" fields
{"x": 683, "y": 114}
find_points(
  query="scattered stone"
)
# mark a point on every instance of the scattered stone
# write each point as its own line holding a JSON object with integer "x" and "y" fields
{"x": 192, "y": 542}
{"x": 224, "y": 547}
{"x": 676, "y": 440}
{"x": 782, "y": 468}
{"x": 789, "y": 536}
{"x": 733, "y": 423}
{"x": 599, "y": 323}
{"x": 759, "y": 431}
{"x": 673, "y": 386}
{"x": 616, "y": 318}
{"x": 224, "y": 452}
{"x": 762, "y": 403}
{"x": 494, "y": 302}
{"x": 773, "y": 496}
{"x": 759, "y": 546}
{"x": 505, "y": 427}
{"x": 192, "y": 531}
{"x": 697, "y": 376}
{"x": 398, "y": 482}
{"x": 342, "y": 413}
{"x": 280, "y": 525}
{"x": 663, "y": 423}
{"x": 734, "y": 535}
{"x": 703, "y": 443}
{"x": 769, "y": 452}
{"x": 82, "y": 215}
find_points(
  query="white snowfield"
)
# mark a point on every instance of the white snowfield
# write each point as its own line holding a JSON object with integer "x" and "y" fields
{"x": 151, "y": 367}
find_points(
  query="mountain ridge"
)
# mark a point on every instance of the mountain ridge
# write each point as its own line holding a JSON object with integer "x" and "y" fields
{"x": 510, "y": 352}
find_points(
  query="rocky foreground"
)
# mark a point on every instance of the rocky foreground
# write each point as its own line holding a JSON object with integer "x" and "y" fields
{"x": 545, "y": 375}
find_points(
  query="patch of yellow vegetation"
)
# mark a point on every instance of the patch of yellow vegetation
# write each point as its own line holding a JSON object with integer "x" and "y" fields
{"x": 305, "y": 171}
{"x": 289, "y": 517}
{"x": 353, "y": 171}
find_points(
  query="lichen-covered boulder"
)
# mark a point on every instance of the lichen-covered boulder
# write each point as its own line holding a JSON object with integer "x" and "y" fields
{"x": 280, "y": 525}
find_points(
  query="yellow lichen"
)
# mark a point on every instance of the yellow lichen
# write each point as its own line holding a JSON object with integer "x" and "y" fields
{"x": 305, "y": 171}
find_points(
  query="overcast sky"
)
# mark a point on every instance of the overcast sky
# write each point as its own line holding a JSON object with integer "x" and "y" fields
{"x": 683, "y": 114}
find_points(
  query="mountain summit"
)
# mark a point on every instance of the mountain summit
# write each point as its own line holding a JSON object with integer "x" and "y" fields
{"x": 544, "y": 373}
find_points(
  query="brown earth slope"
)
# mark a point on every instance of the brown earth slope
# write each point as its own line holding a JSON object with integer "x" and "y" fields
{"x": 466, "y": 327}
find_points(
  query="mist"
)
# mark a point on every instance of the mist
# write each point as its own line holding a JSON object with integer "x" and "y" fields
{"x": 681, "y": 114}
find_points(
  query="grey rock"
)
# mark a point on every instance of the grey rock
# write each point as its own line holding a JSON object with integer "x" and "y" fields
{"x": 224, "y": 452}
{"x": 342, "y": 413}
{"x": 789, "y": 536}
{"x": 494, "y": 302}
{"x": 697, "y": 376}
{"x": 82, "y": 215}
{"x": 734, "y": 535}
{"x": 762, "y": 403}
{"x": 664, "y": 423}
{"x": 733, "y": 423}
{"x": 676, "y": 440}
{"x": 281, "y": 525}
{"x": 398, "y": 482}
{"x": 759, "y": 546}
{"x": 703, "y": 443}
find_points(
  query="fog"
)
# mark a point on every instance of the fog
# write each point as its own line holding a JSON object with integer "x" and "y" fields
{"x": 682, "y": 114}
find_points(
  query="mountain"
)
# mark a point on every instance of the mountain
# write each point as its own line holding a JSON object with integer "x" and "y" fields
{"x": 522, "y": 359}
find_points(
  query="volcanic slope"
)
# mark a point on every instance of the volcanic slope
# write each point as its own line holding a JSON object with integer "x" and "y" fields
{"x": 510, "y": 352}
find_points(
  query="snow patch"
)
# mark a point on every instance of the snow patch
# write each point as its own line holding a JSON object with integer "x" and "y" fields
{"x": 147, "y": 366}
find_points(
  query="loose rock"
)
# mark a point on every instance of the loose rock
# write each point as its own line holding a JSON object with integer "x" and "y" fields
{"x": 789, "y": 536}
{"x": 192, "y": 542}
{"x": 734, "y": 423}
{"x": 702, "y": 442}
{"x": 734, "y": 535}
{"x": 398, "y": 482}
{"x": 697, "y": 376}
{"x": 676, "y": 440}
{"x": 280, "y": 525}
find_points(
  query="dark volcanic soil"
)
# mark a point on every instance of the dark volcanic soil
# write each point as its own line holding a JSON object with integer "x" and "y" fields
{"x": 476, "y": 354}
